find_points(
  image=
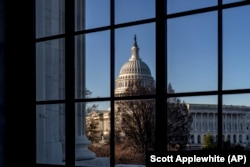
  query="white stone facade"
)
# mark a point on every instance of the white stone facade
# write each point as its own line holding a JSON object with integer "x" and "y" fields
{"x": 50, "y": 72}
{"x": 236, "y": 123}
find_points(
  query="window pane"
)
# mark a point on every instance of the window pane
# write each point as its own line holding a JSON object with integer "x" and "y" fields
{"x": 236, "y": 48}
{"x": 49, "y": 17}
{"x": 93, "y": 71}
{"x": 98, "y": 127}
{"x": 236, "y": 122}
{"x": 50, "y": 134}
{"x": 135, "y": 59}
{"x": 131, "y": 10}
{"x": 92, "y": 14}
{"x": 80, "y": 16}
{"x": 184, "y": 5}
{"x": 134, "y": 130}
{"x": 231, "y": 1}
{"x": 50, "y": 70}
{"x": 192, "y": 52}
{"x": 92, "y": 134}
{"x": 192, "y": 121}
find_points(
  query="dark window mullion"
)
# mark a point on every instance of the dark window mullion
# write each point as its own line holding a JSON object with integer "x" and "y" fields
{"x": 69, "y": 83}
{"x": 220, "y": 76}
{"x": 161, "y": 129}
{"x": 112, "y": 85}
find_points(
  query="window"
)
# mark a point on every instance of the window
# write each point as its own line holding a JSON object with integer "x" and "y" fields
{"x": 199, "y": 139}
{"x": 192, "y": 139}
{"x": 235, "y": 138}
{"x": 99, "y": 61}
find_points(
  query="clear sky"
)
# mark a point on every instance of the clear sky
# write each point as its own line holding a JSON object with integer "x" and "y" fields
{"x": 192, "y": 47}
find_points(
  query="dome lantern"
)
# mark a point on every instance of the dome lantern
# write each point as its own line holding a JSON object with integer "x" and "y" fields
{"x": 134, "y": 50}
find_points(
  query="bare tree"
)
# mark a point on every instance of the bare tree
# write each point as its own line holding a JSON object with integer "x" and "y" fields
{"x": 138, "y": 118}
{"x": 179, "y": 120}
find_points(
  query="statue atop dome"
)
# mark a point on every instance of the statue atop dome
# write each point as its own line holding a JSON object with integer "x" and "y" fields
{"x": 135, "y": 42}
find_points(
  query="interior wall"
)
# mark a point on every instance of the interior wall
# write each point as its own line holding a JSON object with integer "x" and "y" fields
{"x": 2, "y": 84}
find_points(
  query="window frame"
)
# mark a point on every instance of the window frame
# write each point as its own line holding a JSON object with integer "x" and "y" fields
{"x": 160, "y": 97}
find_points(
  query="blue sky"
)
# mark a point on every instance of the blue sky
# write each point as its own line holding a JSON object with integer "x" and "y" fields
{"x": 192, "y": 47}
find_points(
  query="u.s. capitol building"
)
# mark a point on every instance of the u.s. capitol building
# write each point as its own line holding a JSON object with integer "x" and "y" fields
{"x": 236, "y": 119}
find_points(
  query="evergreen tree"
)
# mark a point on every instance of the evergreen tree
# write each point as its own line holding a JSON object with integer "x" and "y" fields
{"x": 208, "y": 141}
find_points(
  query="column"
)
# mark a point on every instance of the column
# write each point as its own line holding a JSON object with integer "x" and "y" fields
{"x": 82, "y": 142}
{"x": 195, "y": 121}
{"x": 226, "y": 122}
{"x": 231, "y": 121}
{"x": 48, "y": 143}
{"x": 207, "y": 120}
{"x": 213, "y": 118}
{"x": 214, "y": 127}
{"x": 201, "y": 122}
{"x": 237, "y": 128}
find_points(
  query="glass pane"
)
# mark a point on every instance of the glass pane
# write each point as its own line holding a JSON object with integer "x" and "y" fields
{"x": 134, "y": 130}
{"x": 192, "y": 52}
{"x": 236, "y": 122}
{"x": 236, "y": 48}
{"x": 231, "y": 1}
{"x": 93, "y": 134}
{"x": 50, "y": 134}
{"x": 135, "y": 59}
{"x": 49, "y": 17}
{"x": 184, "y": 5}
{"x": 131, "y": 10}
{"x": 92, "y": 14}
{"x": 80, "y": 15}
{"x": 93, "y": 65}
{"x": 192, "y": 122}
{"x": 50, "y": 70}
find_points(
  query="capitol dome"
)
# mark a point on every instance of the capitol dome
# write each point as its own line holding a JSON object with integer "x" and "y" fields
{"x": 134, "y": 71}
{"x": 135, "y": 67}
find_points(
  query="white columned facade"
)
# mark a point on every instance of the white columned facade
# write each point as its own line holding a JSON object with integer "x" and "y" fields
{"x": 236, "y": 119}
{"x": 50, "y": 86}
